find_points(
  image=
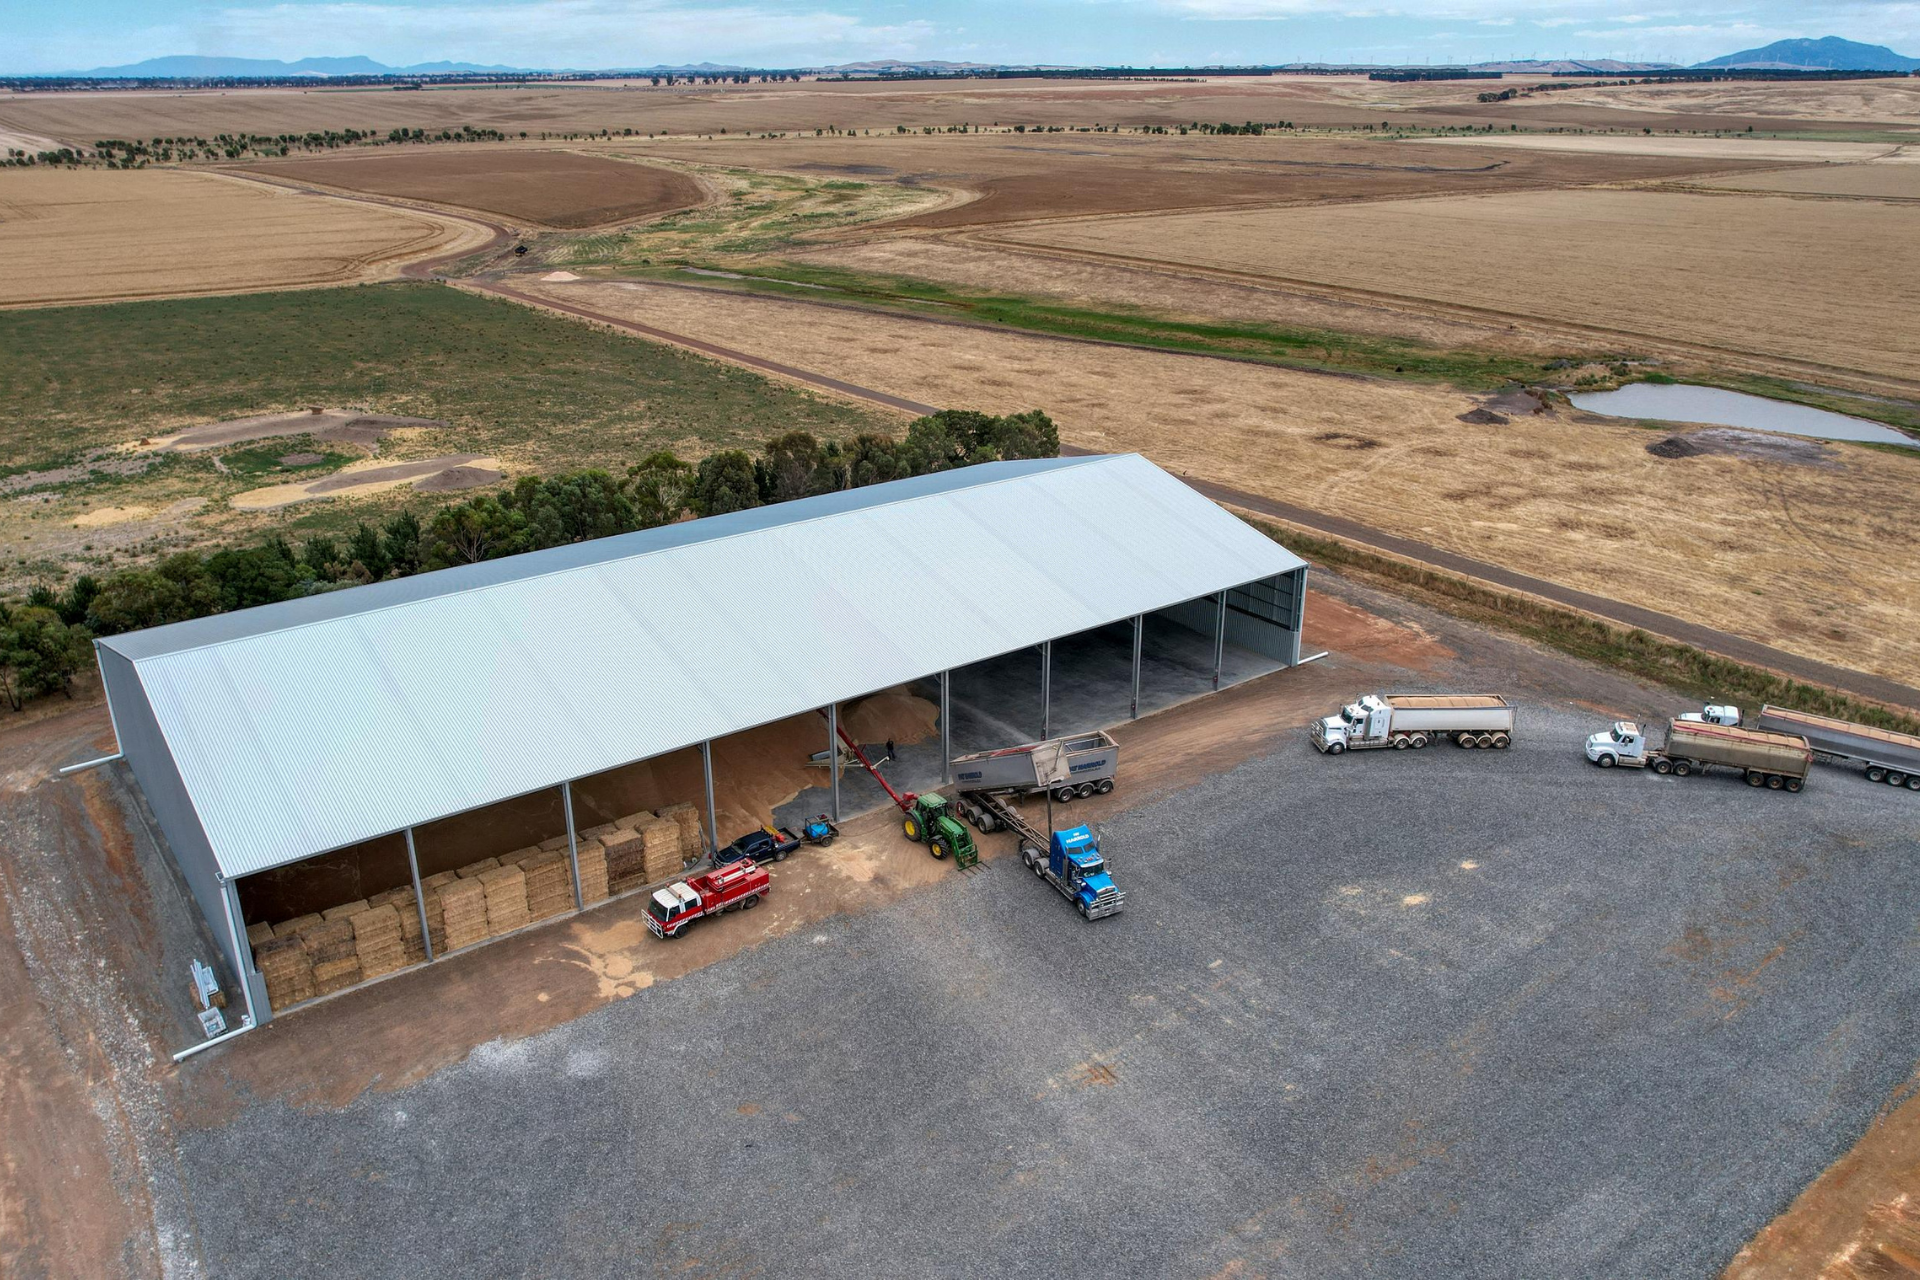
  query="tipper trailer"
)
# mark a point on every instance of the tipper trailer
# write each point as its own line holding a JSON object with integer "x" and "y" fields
{"x": 1764, "y": 759}
{"x": 1890, "y": 757}
{"x": 1081, "y": 766}
{"x": 1412, "y": 720}
{"x": 1068, "y": 860}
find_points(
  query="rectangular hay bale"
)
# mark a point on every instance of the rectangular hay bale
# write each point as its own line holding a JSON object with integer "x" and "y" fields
{"x": 473, "y": 869}
{"x": 330, "y": 976}
{"x": 329, "y": 941}
{"x": 345, "y": 909}
{"x": 693, "y": 833}
{"x": 506, "y": 892}
{"x": 296, "y": 926}
{"x": 593, "y": 872}
{"x": 259, "y": 931}
{"x": 377, "y": 942}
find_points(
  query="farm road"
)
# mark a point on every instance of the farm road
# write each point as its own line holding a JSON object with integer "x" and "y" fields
{"x": 1859, "y": 683}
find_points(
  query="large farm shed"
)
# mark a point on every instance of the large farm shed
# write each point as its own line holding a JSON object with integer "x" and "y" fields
{"x": 364, "y": 779}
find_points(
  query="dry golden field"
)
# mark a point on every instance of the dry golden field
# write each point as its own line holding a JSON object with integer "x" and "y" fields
{"x": 1895, "y": 178}
{"x": 1822, "y": 282}
{"x": 1337, "y": 101}
{"x": 1791, "y": 553}
{"x": 1736, "y": 149}
{"x": 563, "y": 189}
{"x": 92, "y": 234}
{"x": 1854, "y": 102}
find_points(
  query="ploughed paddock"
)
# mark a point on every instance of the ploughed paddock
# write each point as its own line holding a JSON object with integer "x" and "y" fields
{"x": 647, "y": 697}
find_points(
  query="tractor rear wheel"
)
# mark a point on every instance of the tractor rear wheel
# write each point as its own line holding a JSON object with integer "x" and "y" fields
{"x": 913, "y": 828}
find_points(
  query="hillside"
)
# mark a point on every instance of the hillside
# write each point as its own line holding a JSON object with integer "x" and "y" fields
{"x": 1829, "y": 53}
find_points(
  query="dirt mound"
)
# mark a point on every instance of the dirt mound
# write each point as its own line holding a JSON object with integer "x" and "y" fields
{"x": 1485, "y": 418}
{"x": 1732, "y": 442}
{"x": 456, "y": 478}
{"x": 1674, "y": 447}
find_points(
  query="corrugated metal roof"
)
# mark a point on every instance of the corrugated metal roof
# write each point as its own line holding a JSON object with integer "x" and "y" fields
{"x": 305, "y": 726}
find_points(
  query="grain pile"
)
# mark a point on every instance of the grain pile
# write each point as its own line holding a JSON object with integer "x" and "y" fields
{"x": 593, "y": 872}
{"x": 377, "y": 941}
{"x": 287, "y": 968}
{"x": 506, "y": 895}
{"x": 464, "y": 905}
{"x": 549, "y": 881}
{"x": 336, "y": 964}
{"x": 626, "y": 860}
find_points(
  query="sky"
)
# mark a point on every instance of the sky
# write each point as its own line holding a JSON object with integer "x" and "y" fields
{"x": 65, "y": 35}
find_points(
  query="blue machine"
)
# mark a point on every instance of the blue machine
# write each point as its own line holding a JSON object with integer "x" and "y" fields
{"x": 1073, "y": 865}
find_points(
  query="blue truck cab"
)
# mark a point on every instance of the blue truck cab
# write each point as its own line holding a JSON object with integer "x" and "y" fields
{"x": 1079, "y": 872}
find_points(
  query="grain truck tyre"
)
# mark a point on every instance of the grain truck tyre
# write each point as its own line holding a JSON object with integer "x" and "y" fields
{"x": 1399, "y": 744}
{"x": 1104, "y": 786}
{"x": 1775, "y": 782}
{"x": 1063, "y": 794}
{"x": 1682, "y": 767}
{"x": 1501, "y": 741}
{"x": 1084, "y": 790}
{"x": 1464, "y": 740}
{"x": 1663, "y": 766}
{"x": 1913, "y": 783}
{"x": 1607, "y": 762}
{"x": 1420, "y": 740}
{"x": 1876, "y": 775}
{"x": 1794, "y": 784}
{"x": 1896, "y": 778}
{"x": 1335, "y": 748}
{"x": 1754, "y": 778}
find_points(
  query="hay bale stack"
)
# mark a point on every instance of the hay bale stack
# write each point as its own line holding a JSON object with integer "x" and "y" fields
{"x": 474, "y": 870}
{"x": 626, "y": 860}
{"x": 463, "y": 905}
{"x": 258, "y": 932}
{"x": 404, "y": 906}
{"x": 661, "y": 838}
{"x": 344, "y": 910}
{"x": 336, "y": 964}
{"x": 506, "y": 889}
{"x": 693, "y": 836}
{"x": 295, "y": 927}
{"x": 600, "y": 832}
{"x": 549, "y": 883}
{"x": 593, "y": 872}
{"x": 377, "y": 941}
{"x": 288, "y": 971}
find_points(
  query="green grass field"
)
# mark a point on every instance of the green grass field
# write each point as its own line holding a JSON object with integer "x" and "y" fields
{"x": 539, "y": 392}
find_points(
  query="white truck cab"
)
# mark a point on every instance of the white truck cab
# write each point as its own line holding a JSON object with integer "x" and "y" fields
{"x": 1622, "y": 744}
{"x": 1714, "y": 713}
{"x": 1366, "y": 720}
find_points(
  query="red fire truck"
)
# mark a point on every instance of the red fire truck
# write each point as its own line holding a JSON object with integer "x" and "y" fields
{"x": 734, "y": 887}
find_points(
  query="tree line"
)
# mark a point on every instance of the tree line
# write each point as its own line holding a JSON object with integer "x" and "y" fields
{"x": 46, "y": 640}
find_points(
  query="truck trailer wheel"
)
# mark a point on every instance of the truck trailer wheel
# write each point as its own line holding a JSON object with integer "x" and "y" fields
{"x": 1062, "y": 795}
{"x": 1502, "y": 741}
{"x": 1794, "y": 784}
{"x": 1775, "y": 782}
{"x": 1103, "y": 786}
{"x": 1754, "y": 778}
{"x": 1084, "y": 790}
{"x": 1896, "y": 778}
{"x": 1464, "y": 740}
{"x": 1913, "y": 783}
{"x": 1876, "y": 774}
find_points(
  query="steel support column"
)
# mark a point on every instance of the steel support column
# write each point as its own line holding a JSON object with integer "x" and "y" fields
{"x": 946, "y": 726}
{"x": 833, "y": 755}
{"x": 1046, "y": 690}
{"x": 706, "y": 770}
{"x": 1139, "y": 628}
{"x": 573, "y": 846}
{"x": 1219, "y": 638}
{"x": 420, "y": 897}
{"x": 1299, "y": 580}
{"x": 242, "y": 955}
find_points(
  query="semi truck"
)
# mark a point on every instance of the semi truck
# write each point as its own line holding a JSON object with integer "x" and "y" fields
{"x": 1764, "y": 759}
{"x": 1068, "y": 860}
{"x": 1412, "y": 720}
{"x": 1893, "y": 758}
{"x": 1065, "y": 768}
{"x": 738, "y": 886}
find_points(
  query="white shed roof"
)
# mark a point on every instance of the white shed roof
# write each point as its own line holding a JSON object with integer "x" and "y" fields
{"x": 306, "y": 726}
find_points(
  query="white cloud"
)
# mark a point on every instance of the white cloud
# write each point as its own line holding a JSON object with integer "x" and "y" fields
{"x": 584, "y": 33}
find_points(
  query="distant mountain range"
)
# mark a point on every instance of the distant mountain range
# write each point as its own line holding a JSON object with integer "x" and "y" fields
{"x": 1830, "y": 53}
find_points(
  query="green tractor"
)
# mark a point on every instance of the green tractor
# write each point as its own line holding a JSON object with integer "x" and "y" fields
{"x": 930, "y": 821}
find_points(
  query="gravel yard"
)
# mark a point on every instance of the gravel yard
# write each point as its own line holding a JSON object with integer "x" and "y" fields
{"x": 1416, "y": 1013}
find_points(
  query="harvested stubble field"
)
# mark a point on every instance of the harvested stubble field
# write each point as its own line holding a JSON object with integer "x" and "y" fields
{"x": 1815, "y": 281}
{"x": 1796, "y": 548}
{"x": 1894, "y": 178}
{"x": 1889, "y": 101}
{"x": 1327, "y": 101}
{"x": 563, "y": 189}
{"x": 1012, "y": 177}
{"x": 89, "y": 234}
{"x": 537, "y": 392}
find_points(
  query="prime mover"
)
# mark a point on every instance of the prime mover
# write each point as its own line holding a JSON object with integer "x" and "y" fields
{"x": 1764, "y": 759}
{"x": 1412, "y": 720}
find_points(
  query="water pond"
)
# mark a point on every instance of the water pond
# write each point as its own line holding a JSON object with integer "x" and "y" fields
{"x": 1679, "y": 402}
